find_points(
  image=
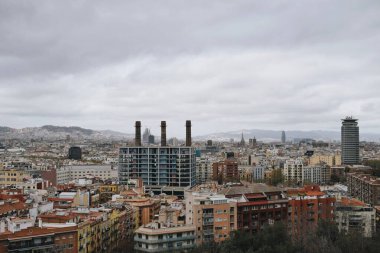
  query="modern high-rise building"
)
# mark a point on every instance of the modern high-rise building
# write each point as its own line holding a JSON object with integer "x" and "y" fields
{"x": 350, "y": 141}
{"x": 283, "y": 137}
{"x": 75, "y": 153}
{"x": 159, "y": 166}
{"x": 151, "y": 139}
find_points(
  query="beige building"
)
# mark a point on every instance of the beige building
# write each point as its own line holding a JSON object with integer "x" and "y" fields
{"x": 214, "y": 216}
{"x": 330, "y": 160}
{"x": 12, "y": 177}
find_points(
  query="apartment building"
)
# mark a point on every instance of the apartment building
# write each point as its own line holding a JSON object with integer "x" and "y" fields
{"x": 296, "y": 173}
{"x": 307, "y": 206}
{"x": 147, "y": 209}
{"x": 364, "y": 187}
{"x": 213, "y": 215}
{"x": 173, "y": 168}
{"x": 69, "y": 173}
{"x": 38, "y": 239}
{"x": 354, "y": 215}
{"x": 330, "y": 160}
{"x": 12, "y": 177}
{"x": 203, "y": 169}
{"x": 226, "y": 171}
{"x": 158, "y": 166}
{"x": 159, "y": 237}
{"x": 258, "y": 205}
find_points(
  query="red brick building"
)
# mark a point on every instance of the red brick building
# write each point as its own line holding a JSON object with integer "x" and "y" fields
{"x": 307, "y": 206}
{"x": 36, "y": 239}
{"x": 225, "y": 171}
{"x": 258, "y": 205}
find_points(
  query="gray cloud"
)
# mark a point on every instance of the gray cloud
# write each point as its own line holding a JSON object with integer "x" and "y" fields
{"x": 226, "y": 65}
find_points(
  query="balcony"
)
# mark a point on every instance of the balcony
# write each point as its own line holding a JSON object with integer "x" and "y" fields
{"x": 208, "y": 232}
{"x": 16, "y": 247}
{"x": 164, "y": 249}
{"x": 163, "y": 240}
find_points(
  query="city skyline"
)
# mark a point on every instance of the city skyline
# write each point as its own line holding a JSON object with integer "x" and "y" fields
{"x": 239, "y": 65}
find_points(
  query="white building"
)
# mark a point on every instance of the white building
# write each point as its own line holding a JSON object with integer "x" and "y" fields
{"x": 258, "y": 172}
{"x": 203, "y": 169}
{"x": 294, "y": 171}
{"x": 158, "y": 237}
{"x": 360, "y": 218}
{"x": 68, "y": 173}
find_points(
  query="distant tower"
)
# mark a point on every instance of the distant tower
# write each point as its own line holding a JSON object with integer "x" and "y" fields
{"x": 283, "y": 137}
{"x": 151, "y": 139}
{"x": 75, "y": 153}
{"x": 146, "y": 135}
{"x": 350, "y": 141}
{"x": 242, "y": 141}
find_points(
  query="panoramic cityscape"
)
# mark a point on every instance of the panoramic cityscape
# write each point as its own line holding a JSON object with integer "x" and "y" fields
{"x": 189, "y": 126}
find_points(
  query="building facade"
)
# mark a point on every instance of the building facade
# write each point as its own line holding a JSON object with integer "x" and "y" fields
{"x": 158, "y": 237}
{"x": 158, "y": 166}
{"x": 296, "y": 173}
{"x": 352, "y": 215}
{"x": 226, "y": 171}
{"x": 364, "y": 187}
{"x": 12, "y": 176}
{"x": 307, "y": 206}
{"x": 350, "y": 141}
{"x": 68, "y": 173}
{"x": 203, "y": 169}
{"x": 214, "y": 216}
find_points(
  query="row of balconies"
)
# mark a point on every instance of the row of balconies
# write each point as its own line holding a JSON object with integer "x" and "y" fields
{"x": 163, "y": 240}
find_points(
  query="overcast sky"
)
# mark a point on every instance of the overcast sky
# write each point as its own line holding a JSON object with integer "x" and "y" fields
{"x": 226, "y": 65}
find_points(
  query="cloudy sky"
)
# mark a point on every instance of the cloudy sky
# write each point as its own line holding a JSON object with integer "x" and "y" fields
{"x": 226, "y": 65}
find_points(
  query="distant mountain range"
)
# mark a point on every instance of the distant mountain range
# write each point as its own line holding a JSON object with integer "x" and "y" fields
{"x": 60, "y": 132}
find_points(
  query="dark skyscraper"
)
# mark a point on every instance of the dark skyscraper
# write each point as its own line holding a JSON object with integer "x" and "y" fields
{"x": 350, "y": 141}
{"x": 283, "y": 137}
{"x": 75, "y": 153}
{"x": 151, "y": 139}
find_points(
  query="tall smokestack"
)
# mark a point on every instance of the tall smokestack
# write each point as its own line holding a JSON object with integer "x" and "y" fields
{"x": 138, "y": 133}
{"x": 188, "y": 133}
{"x": 163, "y": 133}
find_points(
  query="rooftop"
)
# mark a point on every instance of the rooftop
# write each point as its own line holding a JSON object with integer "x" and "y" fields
{"x": 34, "y": 231}
{"x": 249, "y": 188}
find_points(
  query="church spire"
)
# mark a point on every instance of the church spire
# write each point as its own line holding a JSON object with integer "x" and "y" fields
{"x": 242, "y": 141}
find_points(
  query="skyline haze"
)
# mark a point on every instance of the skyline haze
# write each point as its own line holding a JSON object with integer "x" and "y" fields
{"x": 224, "y": 65}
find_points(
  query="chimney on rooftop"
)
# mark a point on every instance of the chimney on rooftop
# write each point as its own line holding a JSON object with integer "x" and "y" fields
{"x": 188, "y": 133}
{"x": 163, "y": 133}
{"x": 138, "y": 133}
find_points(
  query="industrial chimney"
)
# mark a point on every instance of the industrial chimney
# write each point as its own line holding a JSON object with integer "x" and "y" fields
{"x": 188, "y": 133}
{"x": 163, "y": 133}
{"x": 138, "y": 133}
